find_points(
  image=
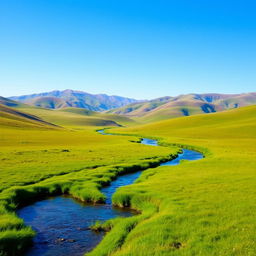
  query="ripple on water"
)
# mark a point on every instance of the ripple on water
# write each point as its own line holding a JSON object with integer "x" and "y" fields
{"x": 62, "y": 223}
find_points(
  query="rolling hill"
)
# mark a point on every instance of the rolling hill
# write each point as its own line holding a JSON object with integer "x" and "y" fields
{"x": 229, "y": 123}
{"x": 204, "y": 207}
{"x": 184, "y": 105}
{"x": 71, "y": 98}
{"x": 10, "y": 117}
{"x": 65, "y": 117}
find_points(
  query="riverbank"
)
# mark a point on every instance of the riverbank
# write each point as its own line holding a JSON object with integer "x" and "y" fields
{"x": 87, "y": 168}
{"x": 197, "y": 208}
{"x": 203, "y": 208}
{"x": 57, "y": 234}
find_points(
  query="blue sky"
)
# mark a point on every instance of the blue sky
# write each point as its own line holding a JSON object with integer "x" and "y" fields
{"x": 140, "y": 49}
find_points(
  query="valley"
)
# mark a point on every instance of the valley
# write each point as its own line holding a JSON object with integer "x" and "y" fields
{"x": 127, "y": 128}
{"x": 203, "y": 207}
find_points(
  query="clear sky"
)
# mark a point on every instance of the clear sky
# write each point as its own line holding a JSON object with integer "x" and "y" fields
{"x": 141, "y": 49}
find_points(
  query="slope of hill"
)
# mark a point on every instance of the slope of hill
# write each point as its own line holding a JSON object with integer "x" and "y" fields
{"x": 68, "y": 117}
{"x": 139, "y": 108}
{"x": 218, "y": 125}
{"x": 48, "y": 102}
{"x": 71, "y": 98}
{"x": 10, "y": 117}
{"x": 184, "y": 105}
{"x": 11, "y": 103}
{"x": 204, "y": 207}
{"x": 123, "y": 120}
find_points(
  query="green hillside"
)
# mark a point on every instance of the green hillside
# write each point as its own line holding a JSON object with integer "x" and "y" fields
{"x": 11, "y": 103}
{"x": 12, "y": 118}
{"x": 70, "y": 117}
{"x": 184, "y": 105}
{"x": 119, "y": 119}
{"x": 215, "y": 124}
{"x": 80, "y": 111}
{"x": 37, "y": 163}
{"x": 206, "y": 207}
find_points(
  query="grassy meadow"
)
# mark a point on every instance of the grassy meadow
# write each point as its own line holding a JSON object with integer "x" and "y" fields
{"x": 205, "y": 207}
{"x": 40, "y": 160}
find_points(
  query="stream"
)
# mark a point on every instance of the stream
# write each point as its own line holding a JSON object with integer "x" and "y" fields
{"x": 62, "y": 223}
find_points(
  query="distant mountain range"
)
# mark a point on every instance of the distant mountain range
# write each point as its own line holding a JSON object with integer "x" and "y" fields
{"x": 144, "y": 111}
{"x": 71, "y": 98}
{"x": 184, "y": 105}
{"x": 21, "y": 115}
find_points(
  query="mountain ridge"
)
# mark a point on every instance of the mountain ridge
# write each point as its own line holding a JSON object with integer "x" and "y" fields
{"x": 184, "y": 105}
{"x": 144, "y": 110}
{"x": 71, "y": 98}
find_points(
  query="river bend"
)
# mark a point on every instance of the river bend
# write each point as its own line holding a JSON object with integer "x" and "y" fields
{"x": 62, "y": 223}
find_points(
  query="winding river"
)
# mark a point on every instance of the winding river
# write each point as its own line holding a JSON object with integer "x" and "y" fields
{"x": 62, "y": 223}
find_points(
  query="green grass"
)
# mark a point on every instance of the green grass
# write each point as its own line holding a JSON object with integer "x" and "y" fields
{"x": 74, "y": 118}
{"x": 37, "y": 162}
{"x": 14, "y": 118}
{"x": 206, "y": 207}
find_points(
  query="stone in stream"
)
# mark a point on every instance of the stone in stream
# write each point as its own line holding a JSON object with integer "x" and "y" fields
{"x": 60, "y": 240}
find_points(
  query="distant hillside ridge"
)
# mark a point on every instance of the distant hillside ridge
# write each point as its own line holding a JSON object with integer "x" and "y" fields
{"x": 71, "y": 98}
{"x": 69, "y": 117}
{"x": 10, "y": 117}
{"x": 184, "y": 105}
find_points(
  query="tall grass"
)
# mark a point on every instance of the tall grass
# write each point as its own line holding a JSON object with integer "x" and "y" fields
{"x": 205, "y": 207}
{"x": 38, "y": 164}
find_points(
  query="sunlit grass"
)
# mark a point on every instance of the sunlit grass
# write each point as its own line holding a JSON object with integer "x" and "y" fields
{"x": 205, "y": 207}
{"x": 40, "y": 162}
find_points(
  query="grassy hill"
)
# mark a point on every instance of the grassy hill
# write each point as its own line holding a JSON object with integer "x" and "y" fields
{"x": 11, "y": 103}
{"x": 37, "y": 163}
{"x": 12, "y": 118}
{"x": 214, "y": 124}
{"x": 206, "y": 207}
{"x": 69, "y": 117}
{"x": 184, "y": 105}
{"x": 119, "y": 119}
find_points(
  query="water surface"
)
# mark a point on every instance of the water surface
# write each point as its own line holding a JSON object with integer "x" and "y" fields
{"x": 62, "y": 223}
